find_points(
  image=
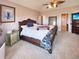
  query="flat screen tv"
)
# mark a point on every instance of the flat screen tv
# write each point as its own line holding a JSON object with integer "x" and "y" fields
{"x": 75, "y": 16}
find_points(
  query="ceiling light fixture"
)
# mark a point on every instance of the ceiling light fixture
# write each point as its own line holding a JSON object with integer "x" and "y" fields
{"x": 49, "y": 6}
{"x": 54, "y": 3}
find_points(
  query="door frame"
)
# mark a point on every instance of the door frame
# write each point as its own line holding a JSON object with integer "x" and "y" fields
{"x": 52, "y": 17}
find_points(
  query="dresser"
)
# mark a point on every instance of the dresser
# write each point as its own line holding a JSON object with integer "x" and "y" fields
{"x": 2, "y": 47}
{"x": 75, "y": 27}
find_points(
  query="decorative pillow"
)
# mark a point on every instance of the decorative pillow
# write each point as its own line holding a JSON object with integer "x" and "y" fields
{"x": 30, "y": 24}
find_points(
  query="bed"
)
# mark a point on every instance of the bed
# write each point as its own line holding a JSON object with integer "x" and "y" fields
{"x": 40, "y": 35}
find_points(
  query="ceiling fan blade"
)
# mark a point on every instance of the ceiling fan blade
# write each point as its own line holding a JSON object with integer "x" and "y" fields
{"x": 60, "y": 2}
{"x": 45, "y": 4}
{"x": 54, "y": 3}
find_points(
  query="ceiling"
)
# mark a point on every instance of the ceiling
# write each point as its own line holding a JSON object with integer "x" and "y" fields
{"x": 38, "y": 4}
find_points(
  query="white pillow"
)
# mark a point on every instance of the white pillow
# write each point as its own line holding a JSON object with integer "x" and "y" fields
{"x": 35, "y": 25}
{"x": 23, "y": 26}
{"x": 51, "y": 26}
{"x": 9, "y": 32}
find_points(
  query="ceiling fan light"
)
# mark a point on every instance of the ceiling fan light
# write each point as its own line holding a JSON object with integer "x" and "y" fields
{"x": 54, "y": 5}
{"x": 49, "y": 6}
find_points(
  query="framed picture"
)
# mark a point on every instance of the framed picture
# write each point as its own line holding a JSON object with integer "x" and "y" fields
{"x": 7, "y": 14}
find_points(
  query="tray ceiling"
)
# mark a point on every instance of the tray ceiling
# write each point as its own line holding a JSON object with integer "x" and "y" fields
{"x": 38, "y": 4}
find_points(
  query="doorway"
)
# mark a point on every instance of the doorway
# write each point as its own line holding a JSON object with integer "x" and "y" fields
{"x": 52, "y": 20}
{"x": 64, "y": 22}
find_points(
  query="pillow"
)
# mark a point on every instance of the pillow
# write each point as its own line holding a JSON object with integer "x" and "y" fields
{"x": 23, "y": 26}
{"x": 43, "y": 27}
{"x": 35, "y": 25}
{"x": 51, "y": 26}
{"x": 30, "y": 24}
{"x": 9, "y": 32}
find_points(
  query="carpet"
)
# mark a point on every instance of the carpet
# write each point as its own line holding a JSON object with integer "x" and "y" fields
{"x": 65, "y": 46}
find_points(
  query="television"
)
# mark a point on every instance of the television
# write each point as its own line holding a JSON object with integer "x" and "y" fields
{"x": 75, "y": 16}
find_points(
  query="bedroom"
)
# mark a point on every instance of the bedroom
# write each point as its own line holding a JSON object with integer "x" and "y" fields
{"x": 23, "y": 13}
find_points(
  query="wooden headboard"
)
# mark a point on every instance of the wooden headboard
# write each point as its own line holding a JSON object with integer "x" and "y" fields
{"x": 24, "y": 22}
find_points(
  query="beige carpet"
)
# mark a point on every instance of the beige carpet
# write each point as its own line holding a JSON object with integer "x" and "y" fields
{"x": 66, "y": 46}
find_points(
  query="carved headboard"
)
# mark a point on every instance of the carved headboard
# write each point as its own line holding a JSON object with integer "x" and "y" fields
{"x": 24, "y": 22}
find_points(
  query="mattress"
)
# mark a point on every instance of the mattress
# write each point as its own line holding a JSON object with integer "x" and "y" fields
{"x": 34, "y": 33}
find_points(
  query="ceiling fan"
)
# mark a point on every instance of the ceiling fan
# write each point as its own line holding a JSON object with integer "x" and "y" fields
{"x": 54, "y": 3}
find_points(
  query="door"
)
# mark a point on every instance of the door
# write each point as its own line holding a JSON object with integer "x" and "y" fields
{"x": 64, "y": 22}
{"x": 52, "y": 20}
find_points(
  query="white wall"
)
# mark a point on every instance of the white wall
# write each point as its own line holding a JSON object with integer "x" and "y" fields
{"x": 58, "y": 13}
{"x": 22, "y": 13}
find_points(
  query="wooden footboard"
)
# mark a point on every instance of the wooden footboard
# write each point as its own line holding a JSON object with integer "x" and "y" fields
{"x": 53, "y": 37}
{"x": 31, "y": 40}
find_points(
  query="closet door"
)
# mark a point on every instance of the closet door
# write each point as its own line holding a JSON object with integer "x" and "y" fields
{"x": 64, "y": 22}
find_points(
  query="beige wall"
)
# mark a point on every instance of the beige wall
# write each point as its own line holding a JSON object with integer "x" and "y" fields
{"x": 58, "y": 13}
{"x": 22, "y": 13}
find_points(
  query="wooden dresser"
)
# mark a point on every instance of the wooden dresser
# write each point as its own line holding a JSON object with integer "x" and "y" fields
{"x": 75, "y": 27}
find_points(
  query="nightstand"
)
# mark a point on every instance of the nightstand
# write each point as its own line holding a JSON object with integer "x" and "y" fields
{"x": 12, "y": 38}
